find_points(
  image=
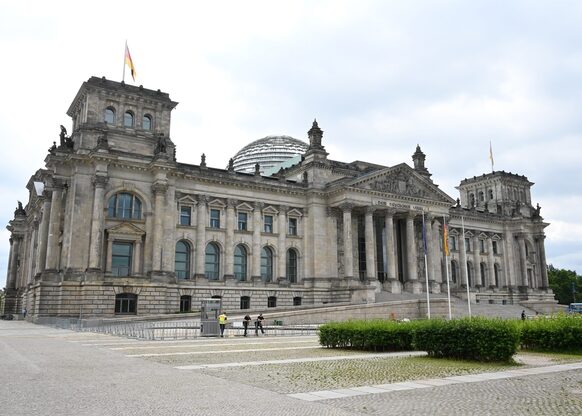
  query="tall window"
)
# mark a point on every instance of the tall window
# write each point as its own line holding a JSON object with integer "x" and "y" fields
{"x": 243, "y": 219}
{"x": 490, "y": 193}
{"x": 214, "y": 218}
{"x": 497, "y": 273}
{"x": 482, "y": 272}
{"x": 128, "y": 119}
{"x": 454, "y": 271}
{"x": 482, "y": 246}
{"x": 121, "y": 258}
{"x": 292, "y": 265}
{"x": 185, "y": 303}
{"x": 240, "y": 262}
{"x": 125, "y": 303}
{"x": 481, "y": 196}
{"x": 182, "y": 265}
{"x": 268, "y": 224}
{"x": 494, "y": 243}
{"x": 212, "y": 266}
{"x": 266, "y": 264}
{"x": 125, "y": 206}
{"x": 467, "y": 244}
{"x": 470, "y": 273}
{"x": 292, "y": 226}
{"x": 110, "y": 115}
{"x": 185, "y": 215}
{"x": 146, "y": 123}
{"x": 453, "y": 241}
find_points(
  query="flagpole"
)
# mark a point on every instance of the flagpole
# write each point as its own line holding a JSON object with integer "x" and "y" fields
{"x": 425, "y": 266}
{"x": 447, "y": 264}
{"x": 465, "y": 265}
{"x": 491, "y": 156}
{"x": 124, "y": 55}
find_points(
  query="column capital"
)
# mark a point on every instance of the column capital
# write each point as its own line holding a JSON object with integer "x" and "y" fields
{"x": 346, "y": 206}
{"x": 370, "y": 209}
{"x": 203, "y": 199}
{"x": 99, "y": 181}
{"x": 231, "y": 203}
{"x": 411, "y": 215}
{"x": 283, "y": 209}
{"x": 259, "y": 205}
{"x": 160, "y": 188}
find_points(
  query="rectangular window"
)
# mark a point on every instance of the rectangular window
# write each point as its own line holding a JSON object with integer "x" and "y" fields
{"x": 482, "y": 246}
{"x": 495, "y": 247}
{"x": 467, "y": 244}
{"x": 126, "y": 303}
{"x": 453, "y": 241}
{"x": 245, "y": 302}
{"x": 272, "y": 302}
{"x": 296, "y": 301}
{"x": 121, "y": 259}
{"x": 268, "y": 224}
{"x": 214, "y": 218}
{"x": 292, "y": 226}
{"x": 242, "y": 221}
{"x": 185, "y": 216}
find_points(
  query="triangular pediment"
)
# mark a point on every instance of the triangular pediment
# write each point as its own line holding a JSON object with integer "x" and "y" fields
{"x": 270, "y": 210}
{"x": 294, "y": 213}
{"x": 125, "y": 228}
{"x": 187, "y": 199}
{"x": 401, "y": 180}
{"x": 244, "y": 207}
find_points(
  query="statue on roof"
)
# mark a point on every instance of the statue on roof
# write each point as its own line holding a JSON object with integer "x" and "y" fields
{"x": 19, "y": 209}
{"x": 162, "y": 145}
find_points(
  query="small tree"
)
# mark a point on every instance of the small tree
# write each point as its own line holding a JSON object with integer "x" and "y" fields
{"x": 565, "y": 284}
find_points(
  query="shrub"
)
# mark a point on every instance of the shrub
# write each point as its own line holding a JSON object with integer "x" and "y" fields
{"x": 559, "y": 333}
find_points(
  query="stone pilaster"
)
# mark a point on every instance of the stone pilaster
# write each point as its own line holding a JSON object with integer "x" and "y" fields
{"x": 256, "y": 255}
{"x": 282, "y": 242}
{"x": 229, "y": 242}
{"x": 477, "y": 262}
{"x": 44, "y": 229}
{"x": 348, "y": 244}
{"x": 543, "y": 264}
{"x": 96, "y": 245}
{"x": 412, "y": 283}
{"x": 201, "y": 236}
{"x": 522, "y": 260}
{"x": 436, "y": 252}
{"x": 159, "y": 189}
{"x": 490, "y": 263}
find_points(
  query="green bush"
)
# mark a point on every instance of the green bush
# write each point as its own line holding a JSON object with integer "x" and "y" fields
{"x": 471, "y": 339}
{"x": 558, "y": 333}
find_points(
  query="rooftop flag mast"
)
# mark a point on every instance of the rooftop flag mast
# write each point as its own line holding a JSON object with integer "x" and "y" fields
{"x": 129, "y": 62}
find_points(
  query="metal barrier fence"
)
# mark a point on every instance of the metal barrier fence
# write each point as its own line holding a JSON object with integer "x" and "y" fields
{"x": 171, "y": 330}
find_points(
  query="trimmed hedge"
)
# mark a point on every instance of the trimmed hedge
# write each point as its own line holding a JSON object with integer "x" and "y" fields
{"x": 558, "y": 333}
{"x": 471, "y": 339}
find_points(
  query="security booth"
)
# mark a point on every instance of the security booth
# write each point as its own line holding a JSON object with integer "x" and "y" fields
{"x": 209, "y": 311}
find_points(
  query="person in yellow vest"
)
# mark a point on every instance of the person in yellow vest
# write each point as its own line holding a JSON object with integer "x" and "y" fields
{"x": 222, "y": 318}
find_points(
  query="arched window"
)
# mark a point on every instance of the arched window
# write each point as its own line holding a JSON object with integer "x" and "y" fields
{"x": 110, "y": 115}
{"x": 266, "y": 264}
{"x": 471, "y": 200}
{"x": 240, "y": 263}
{"x": 128, "y": 119}
{"x": 292, "y": 265}
{"x": 146, "y": 123}
{"x": 126, "y": 304}
{"x": 454, "y": 271}
{"x": 497, "y": 271}
{"x": 185, "y": 303}
{"x": 483, "y": 270}
{"x": 124, "y": 205}
{"x": 182, "y": 264}
{"x": 212, "y": 264}
{"x": 481, "y": 196}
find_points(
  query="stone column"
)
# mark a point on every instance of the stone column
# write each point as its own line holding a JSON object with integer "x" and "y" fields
{"x": 510, "y": 270}
{"x": 436, "y": 252}
{"x": 201, "y": 236}
{"x": 136, "y": 258}
{"x": 229, "y": 242}
{"x": 463, "y": 268}
{"x": 15, "y": 242}
{"x": 522, "y": 260}
{"x": 159, "y": 189}
{"x": 53, "y": 252}
{"x": 109, "y": 254}
{"x": 390, "y": 246}
{"x": 477, "y": 261}
{"x": 348, "y": 254}
{"x": 43, "y": 233}
{"x": 490, "y": 263}
{"x": 429, "y": 248}
{"x": 282, "y": 242}
{"x": 412, "y": 269}
{"x": 543, "y": 265}
{"x": 370, "y": 244}
{"x": 256, "y": 257}
{"x": 96, "y": 244}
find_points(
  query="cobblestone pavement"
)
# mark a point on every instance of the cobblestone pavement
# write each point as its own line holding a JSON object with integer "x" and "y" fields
{"x": 46, "y": 371}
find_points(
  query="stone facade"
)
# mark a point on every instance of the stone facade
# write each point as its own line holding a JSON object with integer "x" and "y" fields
{"x": 115, "y": 224}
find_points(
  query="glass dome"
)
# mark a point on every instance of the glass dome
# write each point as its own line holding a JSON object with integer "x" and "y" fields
{"x": 268, "y": 152}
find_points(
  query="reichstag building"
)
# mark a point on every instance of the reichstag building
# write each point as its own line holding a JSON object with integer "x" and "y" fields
{"x": 115, "y": 224}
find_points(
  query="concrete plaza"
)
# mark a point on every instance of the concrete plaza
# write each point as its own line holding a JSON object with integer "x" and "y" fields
{"x": 46, "y": 371}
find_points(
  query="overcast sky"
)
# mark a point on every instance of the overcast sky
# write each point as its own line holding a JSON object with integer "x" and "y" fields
{"x": 379, "y": 76}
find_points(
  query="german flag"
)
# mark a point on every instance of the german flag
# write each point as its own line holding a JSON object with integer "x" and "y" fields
{"x": 129, "y": 62}
{"x": 446, "y": 239}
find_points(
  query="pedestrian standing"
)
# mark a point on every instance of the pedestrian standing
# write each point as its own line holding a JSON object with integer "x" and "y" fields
{"x": 24, "y": 312}
{"x": 523, "y": 315}
{"x": 222, "y": 318}
{"x": 259, "y": 324}
{"x": 246, "y": 321}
